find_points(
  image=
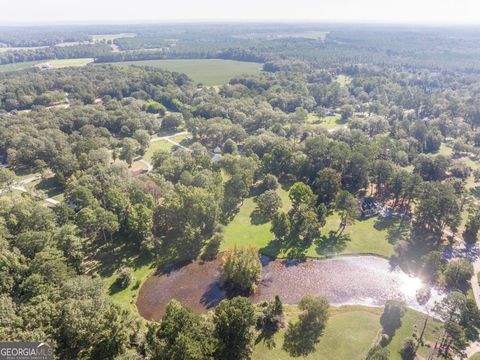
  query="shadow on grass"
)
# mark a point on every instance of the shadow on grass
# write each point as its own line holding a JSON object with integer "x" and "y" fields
{"x": 257, "y": 218}
{"x": 267, "y": 337}
{"x": 331, "y": 243}
{"x": 50, "y": 187}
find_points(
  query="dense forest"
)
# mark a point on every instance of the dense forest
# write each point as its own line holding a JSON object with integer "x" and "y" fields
{"x": 405, "y": 107}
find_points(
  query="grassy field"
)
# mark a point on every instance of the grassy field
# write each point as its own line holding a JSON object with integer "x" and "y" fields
{"x": 166, "y": 145}
{"x": 108, "y": 37}
{"x": 328, "y": 122}
{"x": 62, "y": 63}
{"x": 155, "y": 146}
{"x": 241, "y": 232}
{"x": 475, "y": 356}
{"x": 54, "y": 64}
{"x": 19, "y": 66}
{"x": 351, "y": 331}
{"x": 109, "y": 263}
{"x": 364, "y": 237}
{"x": 205, "y": 71}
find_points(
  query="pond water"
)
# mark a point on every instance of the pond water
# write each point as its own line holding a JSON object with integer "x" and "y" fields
{"x": 352, "y": 280}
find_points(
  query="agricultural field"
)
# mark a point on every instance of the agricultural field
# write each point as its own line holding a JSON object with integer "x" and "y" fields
{"x": 206, "y": 71}
{"x": 19, "y": 66}
{"x": 111, "y": 37}
{"x": 62, "y": 63}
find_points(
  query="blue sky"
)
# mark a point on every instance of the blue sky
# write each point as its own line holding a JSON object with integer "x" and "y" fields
{"x": 386, "y": 11}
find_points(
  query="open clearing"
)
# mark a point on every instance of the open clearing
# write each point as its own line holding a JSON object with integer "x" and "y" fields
{"x": 368, "y": 236}
{"x": 241, "y": 232}
{"x": 351, "y": 331}
{"x": 205, "y": 71}
{"x": 61, "y": 63}
{"x": 19, "y": 66}
{"x": 327, "y": 122}
{"x": 108, "y": 37}
{"x": 54, "y": 64}
{"x": 183, "y": 139}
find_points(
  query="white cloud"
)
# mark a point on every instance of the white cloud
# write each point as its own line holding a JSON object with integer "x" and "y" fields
{"x": 393, "y": 11}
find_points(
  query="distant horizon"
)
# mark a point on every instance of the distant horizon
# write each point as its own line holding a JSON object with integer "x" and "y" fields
{"x": 237, "y": 22}
{"x": 438, "y": 13}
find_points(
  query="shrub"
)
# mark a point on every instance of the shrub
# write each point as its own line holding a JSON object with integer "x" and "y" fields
{"x": 124, "y": 277}
{"x": 241, "y": 270}
{"x": 408, "y": 349}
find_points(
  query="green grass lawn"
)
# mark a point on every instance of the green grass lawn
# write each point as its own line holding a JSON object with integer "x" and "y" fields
{"x": 351, "y": 331}
{"x": 183, "y": 139}
{"x": 241, "y": 232}
{"x": 411, "y": 321}
{"x": 142, "y": 265}
{"x": 328, "y": 122}
{"x": 155, "y": 146}
{"x": 364, "y": 237}
{"x": 205, "y": 71}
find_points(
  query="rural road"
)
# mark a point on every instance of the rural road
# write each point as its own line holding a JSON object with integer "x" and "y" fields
{"x": 20, "y": 186}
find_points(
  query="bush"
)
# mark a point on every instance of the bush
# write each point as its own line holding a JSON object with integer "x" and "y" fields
{"x": 408, "y": 349}
{"x": 384, "y": 340}
{"x": 124, "y": 277}
{"x": 378, "y": 353}
{"x": 241, "y": 270}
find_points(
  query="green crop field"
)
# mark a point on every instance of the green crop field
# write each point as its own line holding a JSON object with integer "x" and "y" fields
{"x": 205, "y": 71}
{"x": 55, "y": 64}
{"x": 18, "y": 66}
{"x": 61, "y": 63}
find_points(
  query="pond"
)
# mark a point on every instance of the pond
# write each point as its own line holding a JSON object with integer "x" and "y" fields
{"x": 352, "y": 280}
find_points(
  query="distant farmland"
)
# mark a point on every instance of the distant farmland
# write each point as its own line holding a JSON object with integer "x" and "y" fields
{"x": 205, "y": 71}
{"x": 54, "y": 64}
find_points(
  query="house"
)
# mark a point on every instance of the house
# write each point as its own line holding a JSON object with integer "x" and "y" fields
{"x": 216, "y": 157}
{"x": 369, "y": 207}
{"x": 218, "y": 150}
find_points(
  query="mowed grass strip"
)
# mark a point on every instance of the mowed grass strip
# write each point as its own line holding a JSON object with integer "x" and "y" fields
{"x": 206, "y": 71}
